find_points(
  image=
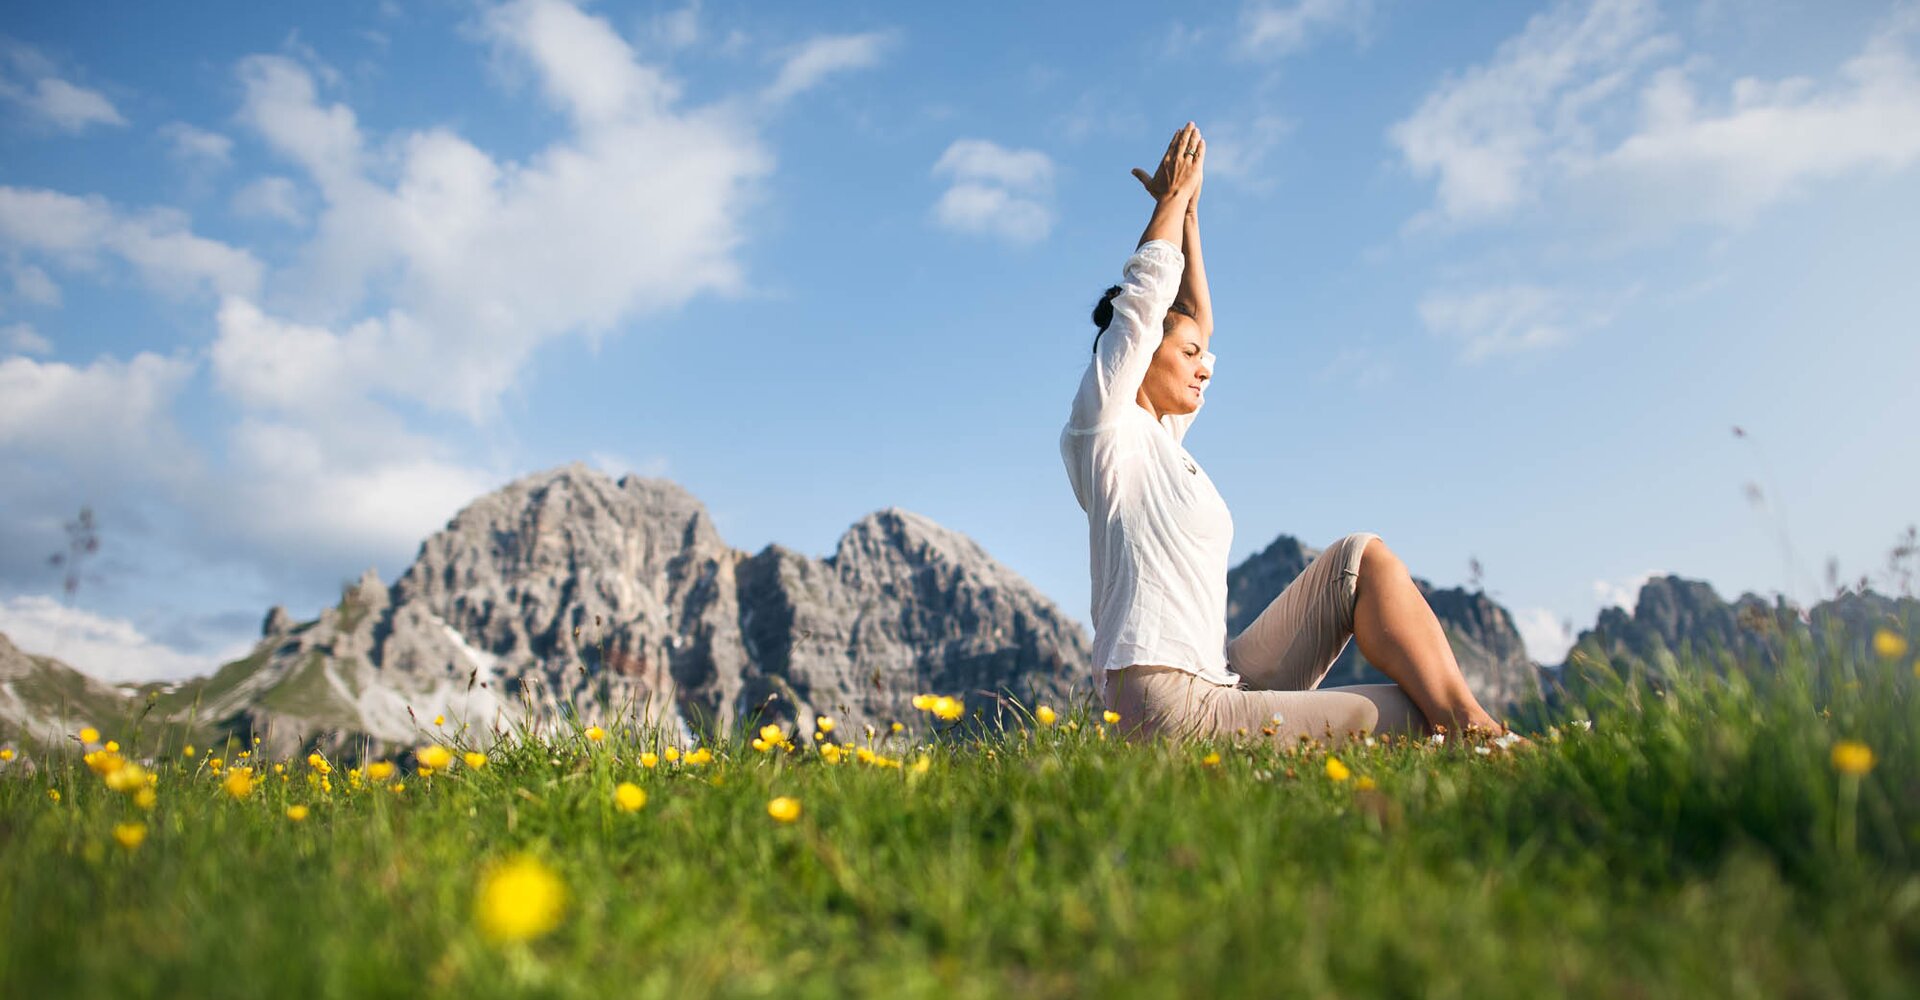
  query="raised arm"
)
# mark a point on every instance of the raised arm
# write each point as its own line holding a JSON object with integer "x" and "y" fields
{"x": 1186, "y": 159}
{"x": 1173, "y": 186}
{"x": 1193, "y": 297}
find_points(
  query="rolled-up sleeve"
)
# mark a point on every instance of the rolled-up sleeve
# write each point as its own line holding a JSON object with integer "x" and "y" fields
{"x": 1148, "y": 285}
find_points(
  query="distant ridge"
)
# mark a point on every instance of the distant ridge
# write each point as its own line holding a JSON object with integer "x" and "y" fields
{"x": 570, "y": 592}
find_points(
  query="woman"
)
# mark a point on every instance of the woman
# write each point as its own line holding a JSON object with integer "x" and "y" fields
{"x": 1159, "y": 536}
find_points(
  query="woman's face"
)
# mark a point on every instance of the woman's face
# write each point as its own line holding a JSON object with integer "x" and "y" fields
{"x": 1178, "y": 371}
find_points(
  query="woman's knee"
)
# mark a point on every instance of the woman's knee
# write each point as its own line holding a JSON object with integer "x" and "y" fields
{"x": 1378, "y": 562}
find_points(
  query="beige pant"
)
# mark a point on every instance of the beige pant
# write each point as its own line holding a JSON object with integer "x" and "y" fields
{"x": 1281, "y": 659}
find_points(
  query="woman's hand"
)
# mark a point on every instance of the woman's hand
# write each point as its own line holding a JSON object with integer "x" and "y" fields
{"x": 1182, "y": 168}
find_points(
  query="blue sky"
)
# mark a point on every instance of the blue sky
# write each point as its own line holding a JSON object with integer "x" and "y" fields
{"x": 281, "y": 290}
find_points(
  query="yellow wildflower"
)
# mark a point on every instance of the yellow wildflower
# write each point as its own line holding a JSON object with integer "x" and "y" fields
{"x": 6, "y": 754}
{"x": 130, "y": 835}
{"x": 700, "y": 755}
{"x": 297, "y": 813}
{"x": 437, "y": 757}
{"x": 831, "y": 753}
{"x": 896, "y": 727}
{"x": 239, "y": 783}
{"x": 319, "y": 763}
{"x": 1852, "y": 757}
{"x": 476, "y": 760}
{"x": 127, "y": 777}
{"x": 89, "y": 734}
{"x": 629, "y": 797}
{"x": 439, "y": 720}
{"x": 922, "y": 764}
{"x": 1111, "y": 716}
{"x": 1336, "y": 770}
{"x": 53, "y": 794}
{"x": 424, "y": 772}
{"x": 519, "y": 899}
{"x": 784, "y": 808}
{"x": 1211, "y": 760}
{"x": 113, "y": 746}
{"x": 1889, "y": 645}
{"x": 397, "y": 787}
{"x": 188, "y": 751}
{"x": 824, "y": 724}
{"x": 146, "y": 798}
{"x": 1045, "y": 715}
{"x": 771, "y": 733}
{"x": 596, "y": 734}
{"x": 379, "y": 770}
{"x": 216, "y": 764}
{"x": 672, "y": 754}
{"x": 923, "y": 702}
{"x": 1364, "y": 783}
{"x": 649, "y": 759}
{"x": 761, "y": 745}
{"x": 948, "y": 708}
{"x": 280, "y": 769}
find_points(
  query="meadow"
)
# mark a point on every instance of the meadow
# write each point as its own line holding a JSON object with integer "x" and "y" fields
{"x": 1746, "y": 831}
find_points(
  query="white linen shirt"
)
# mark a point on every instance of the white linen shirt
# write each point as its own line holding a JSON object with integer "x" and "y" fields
{"x": 1158, "y": 532}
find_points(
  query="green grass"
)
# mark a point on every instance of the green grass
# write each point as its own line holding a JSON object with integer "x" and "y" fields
{"x": 1694, "y": 843}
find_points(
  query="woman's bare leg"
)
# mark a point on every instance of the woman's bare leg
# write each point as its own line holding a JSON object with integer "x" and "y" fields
{"x": 1398, "y": 633}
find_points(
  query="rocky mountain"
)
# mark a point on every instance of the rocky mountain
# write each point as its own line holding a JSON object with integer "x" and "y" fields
{"x": 44, "y": 698}
{"x": 567, "y": 594}
{"x": 1485, "y": 642}
{"x": 1677, "y": 621}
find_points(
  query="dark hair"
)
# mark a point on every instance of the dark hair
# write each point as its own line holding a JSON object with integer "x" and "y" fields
{"x": 1103, "y": 313}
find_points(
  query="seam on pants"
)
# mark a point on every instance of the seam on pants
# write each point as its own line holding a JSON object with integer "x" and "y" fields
{"x": 1350, "y": 575}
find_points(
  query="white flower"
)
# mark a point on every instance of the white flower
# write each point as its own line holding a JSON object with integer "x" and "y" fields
{"x": 1439, "y": 738}
{"x": 1506, "y": 741}
{"x": 1279, "y": 720}
{"x": 1372, "y": 742}
{"x": 1482, "y": 751}
{"x": 1586, "y": 724}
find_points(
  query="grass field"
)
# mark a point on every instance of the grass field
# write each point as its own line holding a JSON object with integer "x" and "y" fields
{"x": 1734, "y": 836}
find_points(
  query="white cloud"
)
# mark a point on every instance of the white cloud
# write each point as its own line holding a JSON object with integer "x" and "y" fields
{"x": 35, "y": 285}
{"x": 679, "y": 28}
{"x": 584, "y": 66}
{"x": 1765, "y": 141}
{"x": 65, "y": 106}
{"x": 1495, "y": 321}
{"x": 1591, "y": 110}
{"x": 1238, "y": 151}
{"x": 1624, "y": 594}
{"x": 157, "y": 243}
{"x": 1547, "y": 636}
{"x": 1490, "y": 135}
{"x": 22, "y": 338}
{"x": 981, "y": 160}
{"x": 113, "y": 650}
{"x": 469, "y": 263}
{"x": 271, "y": 198}
{"x": 190, "y": 144}
{"x": 822, "y": 57}
{"x": 357, "y": 491}
{"x": 1273, "y": 29}
{"x": 996, "y": 191}
{"x": 110, "y": 414}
